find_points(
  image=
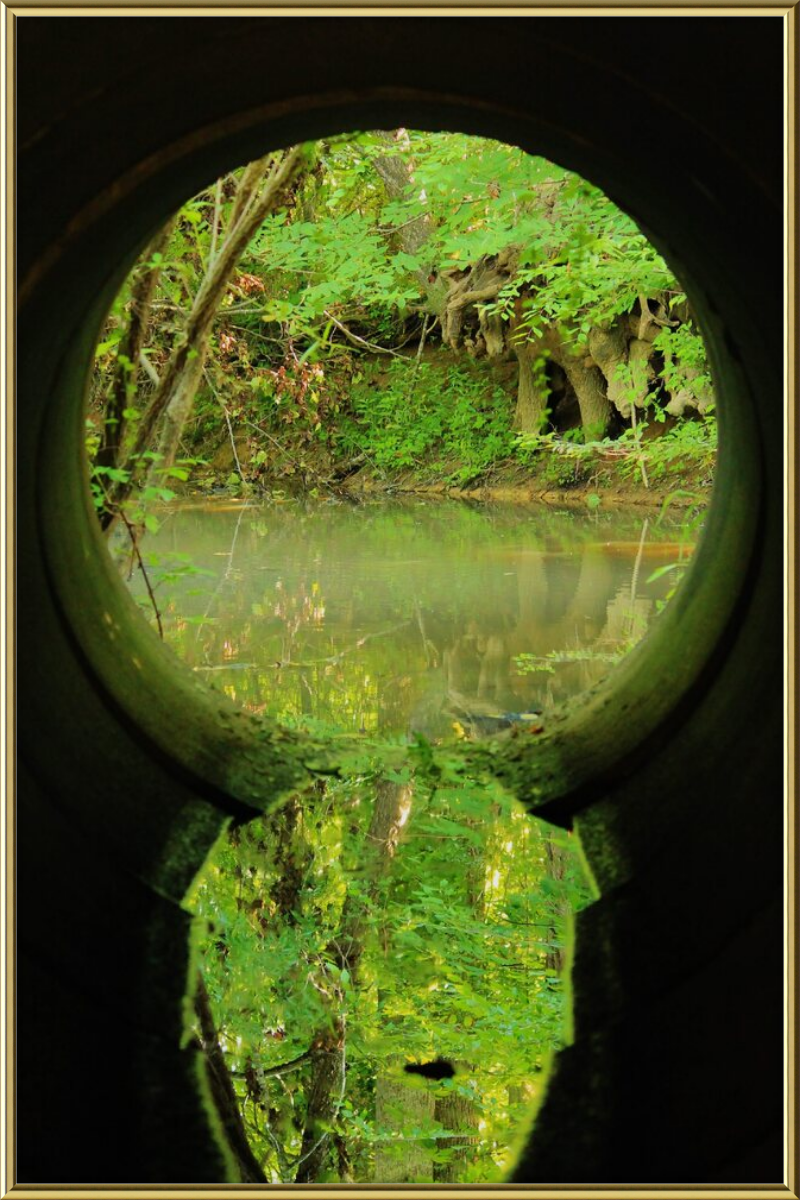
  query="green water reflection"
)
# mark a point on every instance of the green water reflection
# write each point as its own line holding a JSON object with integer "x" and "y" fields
{"x": 406, "y": 616}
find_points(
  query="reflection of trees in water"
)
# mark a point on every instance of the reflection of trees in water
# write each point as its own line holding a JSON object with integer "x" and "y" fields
{"x": 408, "y": 635}
{"x": 576, "y": 613}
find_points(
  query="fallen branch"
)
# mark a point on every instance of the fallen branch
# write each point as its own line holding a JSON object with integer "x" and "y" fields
{"x": 280, "y": 1069}
{"x": 359, "y": 341}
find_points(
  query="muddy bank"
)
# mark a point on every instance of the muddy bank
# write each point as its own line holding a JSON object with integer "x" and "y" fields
{"x": 522, "y": 493}
{"x": 554, "y": 478}
{"x": 517, "y": 486}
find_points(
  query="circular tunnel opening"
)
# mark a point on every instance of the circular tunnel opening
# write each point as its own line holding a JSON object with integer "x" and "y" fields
{"x": 646, "y": 691}
{"x": 532, "y": 347}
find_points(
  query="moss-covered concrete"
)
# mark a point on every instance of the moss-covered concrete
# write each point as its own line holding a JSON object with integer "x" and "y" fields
{"x": 129, "y": 768}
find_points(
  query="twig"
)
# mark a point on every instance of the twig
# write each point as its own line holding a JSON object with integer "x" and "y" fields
{"x": 337, "y": 1105}
{"x": 243, "y": 309}
{"x": 212, "y": 250}
{"x": 637, "y": 564}
{"x": 227, "y": 422}
{"x": 390, "y": 229}
{"x": 261, "y": 337}
{"x": 137, "y": 552}
{"x": 335, "y": 658}
{"x": 280, "y": 1069}
{"x": 638, "y": 439}
{"x": 229, "y": 667}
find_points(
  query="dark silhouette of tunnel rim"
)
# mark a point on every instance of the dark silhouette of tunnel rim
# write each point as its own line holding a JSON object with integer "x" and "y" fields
{"x": 199, "y": 730}
{"x": 129, "y": 767}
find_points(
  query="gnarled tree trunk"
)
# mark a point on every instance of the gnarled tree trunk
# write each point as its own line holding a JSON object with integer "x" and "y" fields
{"x": 589, "y": 386}
{"x": 533, "y": 393}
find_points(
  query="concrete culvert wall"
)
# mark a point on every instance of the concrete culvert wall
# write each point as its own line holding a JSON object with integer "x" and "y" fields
{"x": 128, "y": 769}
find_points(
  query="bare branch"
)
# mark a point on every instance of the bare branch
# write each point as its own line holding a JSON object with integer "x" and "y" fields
{"x": 135, "y": 544}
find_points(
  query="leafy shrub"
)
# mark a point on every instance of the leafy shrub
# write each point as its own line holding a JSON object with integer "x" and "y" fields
{"x": 403, "y": 414}
{"x": 692, "y": 445}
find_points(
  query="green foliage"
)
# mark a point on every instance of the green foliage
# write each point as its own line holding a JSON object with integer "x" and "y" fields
{"x": 690, "y": 446}
{"x": 137, "y": 507}
{"x": 592, "y": 265}
{"x": 333, "y": 276}
{"x": 691, "y": 443}
{"x": 685, "y": 364}
{"x": 460, "y": 917}
{"x": 457, "y": 932}
{"x": 401, "y": 416}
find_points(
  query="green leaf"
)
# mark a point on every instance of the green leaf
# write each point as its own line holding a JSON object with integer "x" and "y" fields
{"x": 660, "y": 572}
{"x": 109, "y": 344}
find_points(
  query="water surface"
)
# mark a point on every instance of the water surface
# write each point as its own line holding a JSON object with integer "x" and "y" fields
{"x": 407, "y": 616}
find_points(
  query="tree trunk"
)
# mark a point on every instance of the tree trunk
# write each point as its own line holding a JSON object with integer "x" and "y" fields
{"x": 223, "y": 1092}
{"x": 255, "y": 199}
{"x": 458, "y": 1115}
{"x": 590, "y": 388}
{"x": 180, "y": 406}
{"x": 532, "y": 392}
{"x": 328, "y": 1080}
{"x": 293, "y": 857}
{"x": 609, "y": 349}
{"x": 262, "y": 189}
{"x": 398, "y": 1106}
{"x": 555, "y": 956}
{"x": 584, "y": 377}
{"x": 395, "y": 173}
{"x": 392, "y": 806}
{"x": 131, "y": 347}
{"x": 325, "y": 1092}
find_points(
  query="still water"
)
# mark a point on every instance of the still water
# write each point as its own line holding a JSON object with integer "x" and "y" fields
{"x": 400, "y": 617}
